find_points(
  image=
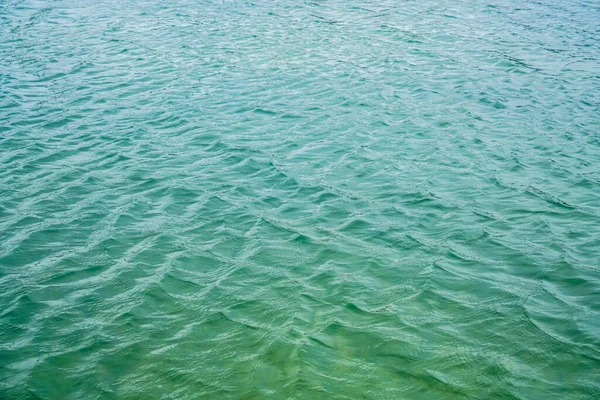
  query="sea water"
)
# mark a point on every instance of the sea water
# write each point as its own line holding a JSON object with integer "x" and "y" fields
{"x": 300, "y": 199}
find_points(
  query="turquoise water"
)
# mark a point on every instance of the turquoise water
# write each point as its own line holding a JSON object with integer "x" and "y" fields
{"x": 305, "y": 200}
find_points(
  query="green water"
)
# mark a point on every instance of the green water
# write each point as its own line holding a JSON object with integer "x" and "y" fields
{"x": 299, "y": 200}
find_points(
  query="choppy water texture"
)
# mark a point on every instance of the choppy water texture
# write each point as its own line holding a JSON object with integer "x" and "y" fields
{"x": 310, "y": 200}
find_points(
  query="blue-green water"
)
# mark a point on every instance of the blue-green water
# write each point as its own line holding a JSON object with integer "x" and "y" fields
{"x": 311, "y": 200}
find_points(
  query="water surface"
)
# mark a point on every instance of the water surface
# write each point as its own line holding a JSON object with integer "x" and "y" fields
{"x": 313, "y": 200}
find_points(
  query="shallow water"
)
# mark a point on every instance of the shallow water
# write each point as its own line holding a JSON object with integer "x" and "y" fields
{"x": 321, "y": 199}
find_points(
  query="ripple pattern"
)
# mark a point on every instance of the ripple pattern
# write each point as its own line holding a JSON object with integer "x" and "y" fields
{"x": 299, "y": 199}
